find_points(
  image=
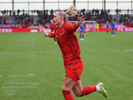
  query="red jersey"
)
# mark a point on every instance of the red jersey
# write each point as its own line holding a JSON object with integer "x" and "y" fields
{"x": 67, "y": 41}
{"x": 52, "y": 27}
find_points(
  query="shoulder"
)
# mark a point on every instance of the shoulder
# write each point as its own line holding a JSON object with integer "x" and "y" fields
{"x": 67, "y": 23}
{"x": 55, "y": 29}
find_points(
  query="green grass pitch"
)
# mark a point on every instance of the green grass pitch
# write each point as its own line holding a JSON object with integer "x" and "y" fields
{"x": 31, "y": 66}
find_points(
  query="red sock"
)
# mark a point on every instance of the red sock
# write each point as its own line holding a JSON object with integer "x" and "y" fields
{"x": 88, "y": 89}
{"x": 67, "y": 95}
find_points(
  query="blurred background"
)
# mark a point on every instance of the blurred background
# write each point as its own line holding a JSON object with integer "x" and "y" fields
{"x": 41, "y": 11}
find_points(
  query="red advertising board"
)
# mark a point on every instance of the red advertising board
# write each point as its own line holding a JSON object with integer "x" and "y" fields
{"x": 9, "y": 30}
{"x": 88, "y": 27}
{"x": 5, "y": 30}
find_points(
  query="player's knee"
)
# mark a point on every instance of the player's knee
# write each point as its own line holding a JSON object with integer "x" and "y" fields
{"x": 78, "y": 94}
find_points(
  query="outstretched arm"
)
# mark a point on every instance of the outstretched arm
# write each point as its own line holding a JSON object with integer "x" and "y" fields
{"x": 45, "y": 34}
{"x": 80, "y": 20}
{"x": 73, "y": 27}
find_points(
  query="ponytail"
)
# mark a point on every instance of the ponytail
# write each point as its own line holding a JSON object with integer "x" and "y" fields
{"x": 69, "y": 13}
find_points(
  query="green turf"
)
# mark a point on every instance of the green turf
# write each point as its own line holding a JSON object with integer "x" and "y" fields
{"x": 31, "y": 66}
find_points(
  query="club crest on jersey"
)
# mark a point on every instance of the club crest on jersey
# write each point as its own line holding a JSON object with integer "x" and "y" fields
{"x": 62, "y": 37}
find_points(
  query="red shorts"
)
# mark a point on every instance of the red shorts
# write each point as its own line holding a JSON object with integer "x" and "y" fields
{"x": 74, "y": 70}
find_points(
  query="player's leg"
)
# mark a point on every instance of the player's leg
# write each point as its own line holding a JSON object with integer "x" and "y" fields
{"x": 82, "y": 35}
{"x": 79, "y": 91}
{"x": 77, "y": 88}
{"x": 107, "y": 31}
{"x": 114, "y": 32}
{"x": 67, "y": 87}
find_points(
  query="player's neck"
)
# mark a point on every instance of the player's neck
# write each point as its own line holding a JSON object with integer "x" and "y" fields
{"x": 60, "y": 25}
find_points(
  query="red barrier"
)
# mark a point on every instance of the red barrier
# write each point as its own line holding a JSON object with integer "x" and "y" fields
{"x": 5, "y": 30}
{"x": 23, "y": 30}
{"x": 48, "y": 30}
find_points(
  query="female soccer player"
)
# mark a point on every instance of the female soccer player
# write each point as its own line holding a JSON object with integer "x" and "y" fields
{"x": 68, "y": 43}
{"x": 81, "y": 31}
{"x": 107, "y": 27}
{"x": 113, "y": 27}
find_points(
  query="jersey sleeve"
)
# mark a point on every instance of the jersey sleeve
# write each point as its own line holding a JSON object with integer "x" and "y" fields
{"x": 51, "y": 35}
{"x": 71, "y": 27}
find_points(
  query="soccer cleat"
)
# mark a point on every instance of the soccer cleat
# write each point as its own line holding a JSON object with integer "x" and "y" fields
{"x": 82, "y": 39}
{"x": 102, "y": 90}
{"x": 55, "y": 42}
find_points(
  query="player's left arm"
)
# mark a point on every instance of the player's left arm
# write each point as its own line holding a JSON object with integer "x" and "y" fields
{"x": 80, "y": 20}
{"x": 74, "y": 27}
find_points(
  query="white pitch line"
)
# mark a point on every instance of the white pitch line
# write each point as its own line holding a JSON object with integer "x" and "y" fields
{"x": 56, "y": 52}
{"x": 100, "y": 51}
{"x": 10, "y": 92}
{"x": 10, "y": 87}
{"x": 128, "y": 50}
{"x": 20, "y": 52}
{"x": 29, "y": 75}
{"x": 21, "y": 83}
{"x": 1, "y": 76}
{"x": 29, "y": 52}
{"x": 29, "y": 85}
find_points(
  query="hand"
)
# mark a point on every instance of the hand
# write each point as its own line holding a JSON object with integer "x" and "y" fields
{"x": 44, "y": 34}
{"x": 80, "y": 19}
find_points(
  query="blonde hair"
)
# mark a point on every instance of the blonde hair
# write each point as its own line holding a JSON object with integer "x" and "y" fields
{"x": 69, "y": 13}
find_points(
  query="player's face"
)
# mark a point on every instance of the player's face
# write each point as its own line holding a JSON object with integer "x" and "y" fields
{"x": 57, "y": 18}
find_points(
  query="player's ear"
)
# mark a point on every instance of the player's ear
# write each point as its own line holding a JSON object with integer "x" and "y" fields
{"x": 62, "y": 18}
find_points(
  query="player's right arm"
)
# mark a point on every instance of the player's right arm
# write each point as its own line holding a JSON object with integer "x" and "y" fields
{"x": 45, "y": 34}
